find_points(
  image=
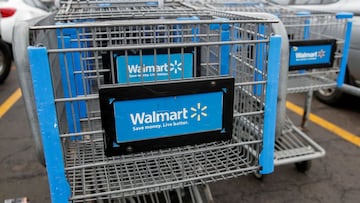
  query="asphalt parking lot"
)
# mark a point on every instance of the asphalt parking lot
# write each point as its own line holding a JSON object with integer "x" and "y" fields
{"x": 333, "y": 178}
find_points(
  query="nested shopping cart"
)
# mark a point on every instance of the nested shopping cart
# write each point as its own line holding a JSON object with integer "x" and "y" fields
{"x": 316, "y": 58}
{"x": 319, "y": 46}
{"x": 130, "y": 107}
{"x": 104, "y": 10}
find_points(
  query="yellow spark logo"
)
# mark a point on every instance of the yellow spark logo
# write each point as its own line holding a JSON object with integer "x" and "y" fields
{"x": 198, "y": 112}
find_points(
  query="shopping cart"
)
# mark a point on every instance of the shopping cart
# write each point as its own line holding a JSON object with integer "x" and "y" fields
{"x": 319, "y": 46}
{"x": 318, "y": 51}
{"x": 104, "y": 10}
{"x": 308, "y": 33}
{"x": 195, "y": 57}
{"x": 327, "y": 37}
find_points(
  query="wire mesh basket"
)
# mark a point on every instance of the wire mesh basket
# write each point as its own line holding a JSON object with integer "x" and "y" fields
{"x": 112, "y": 9}
{"x": 319, "y": 42}
{"x": 315, "y": 58}
{"x": 72, "y": 61}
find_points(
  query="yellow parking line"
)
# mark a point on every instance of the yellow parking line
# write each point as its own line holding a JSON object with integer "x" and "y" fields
{"x": 10, "y": 102}
{"x": 346, "y": 135}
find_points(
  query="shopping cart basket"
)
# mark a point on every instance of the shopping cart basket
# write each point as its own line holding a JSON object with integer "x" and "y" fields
{"x": 319, "y": 42}
{"x": 111, "y": 9}
{"x": 199, "y": 46}
{"x": 318, "y": 50}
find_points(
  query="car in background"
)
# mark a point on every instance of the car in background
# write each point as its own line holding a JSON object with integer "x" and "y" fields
{"x": 12, "y": 11}
{"x": 333, "y": 96}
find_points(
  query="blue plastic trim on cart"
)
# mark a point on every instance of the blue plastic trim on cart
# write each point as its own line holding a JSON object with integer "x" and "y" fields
{"x": 104, "y": 5}
{"x": 259, "y": 61}
{"x": 344, "y": 15}
{"x": 194, "y": 31}
{"x": 222, "y": 21}
{"x": 344, "y": 60}
{"x": 152, "y": 3}
{"x": 224, "y": 49}
{"x": 303, "y": 13}
{"x": 72, "y": 110}
{"x": 75, "y": 62}
{"x": 306, "y": 23}
{"x": 45, "y": 105}
{"x": 266, "y": 159}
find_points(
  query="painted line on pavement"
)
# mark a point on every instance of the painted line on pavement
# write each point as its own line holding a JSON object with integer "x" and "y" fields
{"x": 346, "y": 135}
{"x": 10, "y": 101}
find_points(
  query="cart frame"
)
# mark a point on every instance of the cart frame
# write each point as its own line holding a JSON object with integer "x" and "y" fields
{"x": 37, "y": 82}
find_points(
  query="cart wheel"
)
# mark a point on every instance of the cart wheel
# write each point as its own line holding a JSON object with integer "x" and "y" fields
{"x": 258, "y": 175}
{"x": 303, "y": 166}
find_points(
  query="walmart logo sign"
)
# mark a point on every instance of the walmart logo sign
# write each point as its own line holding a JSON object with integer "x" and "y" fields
{"x": 198, "y": 112}
{"x": 156, "y": 117}
{"x": 310, "y": 55}
{"x": 176, "y": 67}
{"x": 136, "y": 68}
{"x": 169, "y": 116}
{"x": 166, "y": 116}
{"x": 159, "y": 70}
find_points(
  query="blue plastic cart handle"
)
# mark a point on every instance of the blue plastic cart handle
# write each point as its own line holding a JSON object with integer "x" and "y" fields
{"x": 45, "y": 106}
{"x": 266, "y": 159}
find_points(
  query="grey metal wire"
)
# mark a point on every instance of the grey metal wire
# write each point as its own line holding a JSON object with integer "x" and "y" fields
{"x": 321, "y": 25}
{"x": 92, "y": 175}
{"x": 295, "y": 146}
{"x": 291, "y": 144}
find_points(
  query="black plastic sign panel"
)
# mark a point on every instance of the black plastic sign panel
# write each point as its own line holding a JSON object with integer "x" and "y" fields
{"x": 311, "y": 54}
{"x": 151, "y": 116}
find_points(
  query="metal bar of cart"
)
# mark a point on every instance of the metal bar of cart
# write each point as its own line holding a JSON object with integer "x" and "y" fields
{"x": 76, "y": 53}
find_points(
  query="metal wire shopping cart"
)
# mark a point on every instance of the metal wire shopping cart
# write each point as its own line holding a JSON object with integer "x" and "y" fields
{"x": 83, "y": 74}
{"x": 318, "y": 51}
{"x": 319, "y": 46}
{"x": 111, "y": 9}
